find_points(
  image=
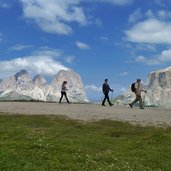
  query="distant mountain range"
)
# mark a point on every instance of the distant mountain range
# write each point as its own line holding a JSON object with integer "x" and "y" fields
{"x": 21, "y": 86}
{"x": 158, "y": 87}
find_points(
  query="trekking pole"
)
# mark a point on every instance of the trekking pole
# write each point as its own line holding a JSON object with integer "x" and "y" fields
{"x": 111, "y": 97}
{"x": 102, "y": 99}
{"x": 144, "y": 99}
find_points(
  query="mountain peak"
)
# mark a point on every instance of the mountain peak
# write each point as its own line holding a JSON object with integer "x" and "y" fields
{"x": 39, "y": 80}
{"x": 21, "y": 73}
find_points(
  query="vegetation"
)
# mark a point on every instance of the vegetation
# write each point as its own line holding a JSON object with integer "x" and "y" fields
{"x": 51, "y": 143}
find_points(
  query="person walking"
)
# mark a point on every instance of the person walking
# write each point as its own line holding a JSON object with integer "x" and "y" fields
{"x": 106, "y": 88}
{"x": 63, "y": 92}
{"x": 137, "y": 90}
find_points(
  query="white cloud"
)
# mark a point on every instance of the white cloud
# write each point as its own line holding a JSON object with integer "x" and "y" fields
{"x": 135, "y": 16}
{"x": 19, "y": 47}
{"x": 82, "y": 45}
{"x": 93, "y": 88}
{"x": 4, "y": 5}
{"x": 34, "y": 64}
{"x": 69, "y": 59}
{"x": 150, "y": 14}
{"x": 164, "y": 57}
{"x": 46, "y": 51}
{"x": 150, "y": 31}
{"x": 54, "y": 16}
{"x": 164, "y": 14}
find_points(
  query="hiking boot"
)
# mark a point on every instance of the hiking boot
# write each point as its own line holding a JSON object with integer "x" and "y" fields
{"x": 130, "y": 105}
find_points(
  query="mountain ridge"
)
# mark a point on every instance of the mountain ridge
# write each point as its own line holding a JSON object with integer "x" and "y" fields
{"x": 21, "y": 86}
{"x": 158, "y": 88}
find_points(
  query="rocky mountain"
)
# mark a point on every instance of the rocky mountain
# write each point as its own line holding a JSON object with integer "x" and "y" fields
{"x": 22, "y": 86}
{"x": 74, "y": 84}
{"x": 158, "y": 87}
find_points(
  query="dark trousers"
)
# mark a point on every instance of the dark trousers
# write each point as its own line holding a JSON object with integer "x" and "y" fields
{"x": 138, "y": 98}
{"x": 106, "y": 97}
{"x": 63, "y": 94}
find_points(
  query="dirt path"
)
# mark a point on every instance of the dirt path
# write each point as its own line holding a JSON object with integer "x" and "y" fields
{"x": 91, "y": 112}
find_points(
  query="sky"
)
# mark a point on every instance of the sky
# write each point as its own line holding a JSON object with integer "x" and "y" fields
{"x": 121, "y": 40}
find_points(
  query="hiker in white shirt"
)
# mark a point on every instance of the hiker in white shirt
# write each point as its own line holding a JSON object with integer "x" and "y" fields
{"x": 138, "y": 90}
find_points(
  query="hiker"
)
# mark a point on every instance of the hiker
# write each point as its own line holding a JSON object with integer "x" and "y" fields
{"x": 106, "y": 90}
{"x": 63, "y": 92}
{"x": 137, "y": 89}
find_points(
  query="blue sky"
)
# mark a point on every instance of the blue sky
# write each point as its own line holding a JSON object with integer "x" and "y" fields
{"x": 116, "y": 39}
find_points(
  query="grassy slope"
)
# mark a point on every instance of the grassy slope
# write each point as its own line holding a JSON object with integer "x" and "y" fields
{"x": 55, "y": 143}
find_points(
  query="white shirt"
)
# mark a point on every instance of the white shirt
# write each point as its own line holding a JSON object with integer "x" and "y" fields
{"x": 138, "y": 88}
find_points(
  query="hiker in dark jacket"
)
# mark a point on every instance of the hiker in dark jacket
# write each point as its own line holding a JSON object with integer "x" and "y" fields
{"x": 106, "y": 90}
{"x": 63, "y": 92}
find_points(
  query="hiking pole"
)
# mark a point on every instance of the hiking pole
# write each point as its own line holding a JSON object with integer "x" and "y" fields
{"x": 144, "y": 99}
{"x": 102, "y": 98}
{"x": 111, "y": 97}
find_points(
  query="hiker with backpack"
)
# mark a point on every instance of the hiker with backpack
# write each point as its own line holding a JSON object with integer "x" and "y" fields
{"x": 63, "y": 92}
{"x": 137, "y": 89}
{"x": 106, "y": 88}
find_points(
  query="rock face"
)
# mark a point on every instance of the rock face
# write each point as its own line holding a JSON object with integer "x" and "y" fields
{"x": 74, "y": 84}
{"x": 21, "y": 86}
{"x": 158, "y": 87}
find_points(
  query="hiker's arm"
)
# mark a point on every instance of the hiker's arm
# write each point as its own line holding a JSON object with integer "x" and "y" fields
{"x": 110, "y": 89}
{"x": 144, "y": 91}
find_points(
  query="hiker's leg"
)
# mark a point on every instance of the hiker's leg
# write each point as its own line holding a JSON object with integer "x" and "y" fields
{"x": 141, "y": 102}
{"x": 61, "y": 97}
{"x": 66, "y": 97}
{"x": 108, "y": 100}
{"x": 103, "y": 103}
{"x": 135, "y": 101}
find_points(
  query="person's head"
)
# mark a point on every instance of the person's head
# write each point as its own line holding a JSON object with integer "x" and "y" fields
{"x": 138, "y": 80}
{"x": 106, "y": 80}
{"x": 65, "y": 82}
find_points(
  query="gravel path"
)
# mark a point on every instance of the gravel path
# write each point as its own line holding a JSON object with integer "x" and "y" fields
{"x": 91, "y": 112}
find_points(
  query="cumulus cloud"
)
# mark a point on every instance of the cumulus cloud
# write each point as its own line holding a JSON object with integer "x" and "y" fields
{"x": 164, "y": 57}
{"x": 35, "y": 64}
{"x": 54, "y": 16}
{"x": 93, "y": 88}
{"x": 82, "y": 45}
{"x": 150, "y": 31}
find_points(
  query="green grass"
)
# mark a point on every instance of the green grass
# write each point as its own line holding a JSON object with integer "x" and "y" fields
{"x": 50, "y": 143}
